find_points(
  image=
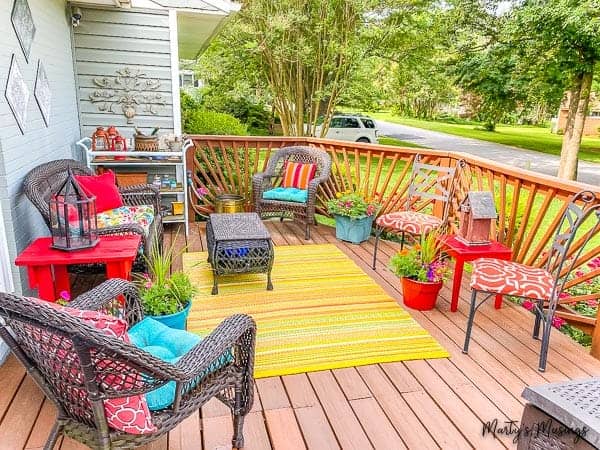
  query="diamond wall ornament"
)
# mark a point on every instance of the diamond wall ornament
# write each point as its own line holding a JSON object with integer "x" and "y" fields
{"x": 42, "y": 93}
{"x": 22, "y": 22}
{"x": 17, "y": 93}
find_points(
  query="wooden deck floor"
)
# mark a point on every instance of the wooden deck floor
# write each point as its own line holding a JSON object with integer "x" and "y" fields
{"x": 421, "y": 404}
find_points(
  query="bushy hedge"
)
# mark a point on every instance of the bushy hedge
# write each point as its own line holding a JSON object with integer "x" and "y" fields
{"x": 209, "y": 122}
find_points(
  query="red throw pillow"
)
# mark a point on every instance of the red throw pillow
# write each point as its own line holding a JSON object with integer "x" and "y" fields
{"x": 298, "y": 175}
{"x": 128, "y": 414}
{"x": 104, "y": 187}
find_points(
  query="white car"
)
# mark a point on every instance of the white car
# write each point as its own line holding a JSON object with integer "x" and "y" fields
{"x": 351, "y": 128}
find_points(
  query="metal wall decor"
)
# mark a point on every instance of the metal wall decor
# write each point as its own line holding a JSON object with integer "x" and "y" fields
{"x": 42, "y": 93}
{"x": 22, "y": 22}
{"x": 17, "y": 93}
{"x": 129, "y": 88}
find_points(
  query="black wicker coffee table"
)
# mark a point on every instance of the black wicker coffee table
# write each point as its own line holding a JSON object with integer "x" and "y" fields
{"x": 238, "y": 243}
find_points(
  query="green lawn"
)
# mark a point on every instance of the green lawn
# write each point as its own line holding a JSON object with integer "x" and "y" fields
{"x": 522, "y": 136}
{"x": 386, "y": 140}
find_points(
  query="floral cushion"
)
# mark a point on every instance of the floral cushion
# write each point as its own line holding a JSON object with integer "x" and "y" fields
{"x": 511, "y": 278}
{"x": 142, "y": 215}
{"x": 128, "y": 414}
{"x": 409, "y": 221}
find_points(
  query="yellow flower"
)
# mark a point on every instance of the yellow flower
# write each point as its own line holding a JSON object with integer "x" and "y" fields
{"x": 338, "y": 194}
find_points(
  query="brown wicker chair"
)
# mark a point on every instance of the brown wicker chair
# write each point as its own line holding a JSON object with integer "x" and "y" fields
{"x": 45, "y": 179}
{"x": 261, "y": 182}
{"x": 75, "y": 381}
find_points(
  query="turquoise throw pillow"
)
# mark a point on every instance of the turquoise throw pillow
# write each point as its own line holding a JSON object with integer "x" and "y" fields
{"x": 169, "y": 345}
{"x": 286, "y": 195}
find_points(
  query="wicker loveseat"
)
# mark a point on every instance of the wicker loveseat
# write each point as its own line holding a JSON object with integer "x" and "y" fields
{"x": 42, "y": 181}
{"x": 262, "y": 182}
{"x": 79, "y": 367}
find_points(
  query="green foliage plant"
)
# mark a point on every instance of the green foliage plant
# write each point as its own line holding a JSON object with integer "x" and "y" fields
{"x": 201, "y": 121}
{"x": 423, "y": 262}
{"x": 353, "y": 205}
{"x": 161, "y": 292}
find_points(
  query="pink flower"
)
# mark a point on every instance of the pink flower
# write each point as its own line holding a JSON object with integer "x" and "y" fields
{"x": 592, "y": 303}
{"x": 557, "y": 322}
{"x": 202, "y": 191}
{"x": 579, "y": 273}
{"x": 146, "y": 276}
{"x": 528, "y": 305}
{"x": 564, "y": 295}
{"x": 148, "y": 284}
{"x": 65, "y": 295}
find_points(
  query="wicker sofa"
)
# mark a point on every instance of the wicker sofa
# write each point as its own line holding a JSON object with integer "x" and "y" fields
{"x": 79, "y": 367}
{"x": 42, "y": 181}
{"x": 262, "y": 182}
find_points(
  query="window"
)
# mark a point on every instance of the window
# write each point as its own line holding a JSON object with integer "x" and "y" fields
{"x": 187, "y": 79}
{"x": 337, "y": 122}
{"x": 350, "y": 122}
{"x": 368, "y": 123}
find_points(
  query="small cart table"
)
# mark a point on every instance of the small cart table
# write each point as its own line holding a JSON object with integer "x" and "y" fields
{"x": 462, "y": 253}
{"x": 47, "y": 267}
{"x": 238, "y": 243}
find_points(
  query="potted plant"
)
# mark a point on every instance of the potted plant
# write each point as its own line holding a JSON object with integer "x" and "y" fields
{"x": 353, "y": 215}
{"x": 166, "y": 296}
{"x": 422, "y": 271}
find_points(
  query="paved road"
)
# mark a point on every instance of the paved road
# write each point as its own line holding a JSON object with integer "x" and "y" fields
{"x": 526, "y": 159}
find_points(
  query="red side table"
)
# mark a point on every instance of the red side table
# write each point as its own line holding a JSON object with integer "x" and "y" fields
{"x": 47, "y": 267}
{"x": 463, "y": 253}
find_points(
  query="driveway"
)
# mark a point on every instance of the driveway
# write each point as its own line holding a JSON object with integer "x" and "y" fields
{"x": 517, "y": 157}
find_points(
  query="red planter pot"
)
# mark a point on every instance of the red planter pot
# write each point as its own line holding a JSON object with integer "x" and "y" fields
{"x": 420, "y": 295}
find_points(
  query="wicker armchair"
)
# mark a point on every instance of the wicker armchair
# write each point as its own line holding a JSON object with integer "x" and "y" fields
{"x": 261, "y": 182}
{"x": 43, "y": 180}
{"x": 78, "y": 366}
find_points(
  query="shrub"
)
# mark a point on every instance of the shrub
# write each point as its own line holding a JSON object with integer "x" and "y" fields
{"x": 209, "y": 122}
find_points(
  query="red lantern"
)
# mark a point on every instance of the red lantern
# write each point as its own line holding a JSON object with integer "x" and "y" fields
{"x": 100, "y": 141}
{"x": 116, "y": 141}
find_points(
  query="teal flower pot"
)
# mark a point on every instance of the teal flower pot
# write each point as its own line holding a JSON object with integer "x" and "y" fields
{"x": 177, "y": 320}
{"x": 353, "y": 230}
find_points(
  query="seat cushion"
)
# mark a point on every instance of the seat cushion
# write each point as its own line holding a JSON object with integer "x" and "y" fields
{"x": 142, "y": 215}
{"x": 128, "y": 414}
{"x": 409, "y": 221}
{"x": 286, "y": 195}
{"x": 298, "y": 175}
{"x": 104, "y": 188}
{"x": 169, "y": 345}
{"x": 511, "y": 278}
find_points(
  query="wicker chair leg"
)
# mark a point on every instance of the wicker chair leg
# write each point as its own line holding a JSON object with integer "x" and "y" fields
{"x": 53, "y": 436}
{"x": 307, "y": 233}
{"x": 238, "y": 431}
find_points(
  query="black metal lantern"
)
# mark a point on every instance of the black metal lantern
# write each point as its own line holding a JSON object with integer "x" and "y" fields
{"x": 73, "y": 217}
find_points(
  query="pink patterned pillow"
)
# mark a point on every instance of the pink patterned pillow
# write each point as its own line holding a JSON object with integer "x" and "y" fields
{"x": 128, "y": 414}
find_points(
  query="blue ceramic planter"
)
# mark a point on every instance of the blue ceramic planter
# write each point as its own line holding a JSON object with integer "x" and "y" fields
{"x": 177, "y": 320}
{"x": 353, "y": 230}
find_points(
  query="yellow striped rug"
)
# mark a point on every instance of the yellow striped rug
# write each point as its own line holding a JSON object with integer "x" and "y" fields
{"x": 324, "y": 313}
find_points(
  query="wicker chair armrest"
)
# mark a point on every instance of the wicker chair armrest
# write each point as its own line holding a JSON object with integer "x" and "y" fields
{"x": 127, "y": 228}
{"x": 104, "y": 297}
{"x": 141, "y": 194}
{"x": 238, "y": 330}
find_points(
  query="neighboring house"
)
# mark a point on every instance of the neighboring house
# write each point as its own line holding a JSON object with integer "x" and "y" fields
{"x": 83, "y": 46}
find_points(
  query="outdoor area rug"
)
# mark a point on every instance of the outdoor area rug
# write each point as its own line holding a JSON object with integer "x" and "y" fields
{"x": 324, "y": 313}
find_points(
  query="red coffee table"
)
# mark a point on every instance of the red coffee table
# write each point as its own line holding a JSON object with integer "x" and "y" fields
{"x": 462, "y": 253}
{"x": 47, "y": 267}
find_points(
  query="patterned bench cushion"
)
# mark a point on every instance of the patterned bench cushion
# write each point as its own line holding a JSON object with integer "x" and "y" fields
{"x": 511, "y": 278}
{"x": 409, "y": 221}
{"x": 142, "y": 215}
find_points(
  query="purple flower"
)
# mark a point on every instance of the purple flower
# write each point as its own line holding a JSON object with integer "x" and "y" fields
{"x": 202, "y": 191}
{"x": 65, "y": 295}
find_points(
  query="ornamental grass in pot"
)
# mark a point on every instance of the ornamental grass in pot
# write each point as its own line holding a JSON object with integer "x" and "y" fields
{"x": 422, "y": 270}
{"x": 354, "y": 216}
{"x": 166, "y": 296}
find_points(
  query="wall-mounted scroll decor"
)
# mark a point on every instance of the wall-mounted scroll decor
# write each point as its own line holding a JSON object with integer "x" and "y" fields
{"x": 17, "y": 93}
{"x": 130, "y": 89}
{"x": 42, "y": 93}
{"x": 22, "y": 22}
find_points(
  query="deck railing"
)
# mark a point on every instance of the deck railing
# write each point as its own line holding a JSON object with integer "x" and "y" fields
{"x": 529, "y": 204}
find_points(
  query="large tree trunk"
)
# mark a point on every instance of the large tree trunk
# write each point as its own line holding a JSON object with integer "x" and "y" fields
{"x": 578, "y": 105}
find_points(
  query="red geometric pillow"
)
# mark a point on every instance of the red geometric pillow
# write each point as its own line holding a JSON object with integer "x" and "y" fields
{"x": 104, "y": 188}
{"x": 128, "y": 414}
{"x": 298, "y": 175}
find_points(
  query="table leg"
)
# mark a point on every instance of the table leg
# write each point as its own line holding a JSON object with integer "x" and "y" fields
{"x": 61, "y": 277}
{"x": 118, "y": 269}
{"x": 215, "y": 289}
{"x": 456, "y": 282}
{"x": 44, "y": 282}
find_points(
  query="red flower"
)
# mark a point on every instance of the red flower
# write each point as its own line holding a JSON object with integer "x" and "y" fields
{"x": 528, "y": 305}
{"x": 558, "y": 322}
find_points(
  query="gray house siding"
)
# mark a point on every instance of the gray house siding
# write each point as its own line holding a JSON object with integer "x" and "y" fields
{"x": 22, "y": 152}
{"x": 107, "y": 41}
{"x": 19, "y": 152}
